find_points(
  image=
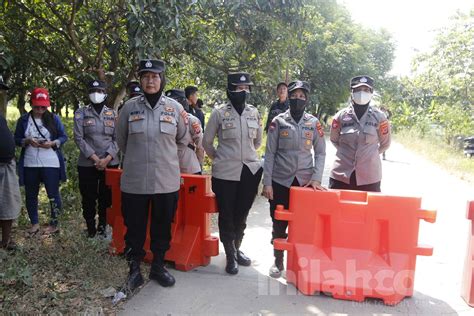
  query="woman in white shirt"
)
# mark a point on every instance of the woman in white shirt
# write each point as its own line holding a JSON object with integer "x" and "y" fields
{"x": 40, "y": 133}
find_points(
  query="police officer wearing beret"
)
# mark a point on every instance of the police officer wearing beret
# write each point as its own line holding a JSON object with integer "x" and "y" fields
{"x": 148, "y": 128}
{"x": 133, "y": 89}
{"x": 360, "y": 132}
{"x": 190, "y": 150}
{"x": 95, "y": 136}
{"x": 280, "y": 105}
{"x": 236, "y": 168}
{"x": 289, "y": 161}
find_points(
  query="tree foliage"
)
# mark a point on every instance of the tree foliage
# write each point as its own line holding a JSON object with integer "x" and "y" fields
{"x": 62, "y": 44}
{"x": 440, "y": 95}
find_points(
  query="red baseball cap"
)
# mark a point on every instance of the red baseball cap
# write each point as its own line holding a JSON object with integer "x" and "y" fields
{"x": 40, "y": 97}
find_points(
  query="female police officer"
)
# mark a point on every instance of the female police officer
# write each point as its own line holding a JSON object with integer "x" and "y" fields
{"x": 147, "y": 131}
{"x": 360, "y": 132}
{"x": 288, "y": 158}
{"x": 190, "y": 150}
{"x": 94, "y": 134}
{"x": 236, "y": 169}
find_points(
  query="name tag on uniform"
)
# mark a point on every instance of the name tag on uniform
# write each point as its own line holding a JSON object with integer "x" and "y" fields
{"x": 109, "y": 123}
{"x": 167, "y": 118}
{"x": 136, "y": 117}
{"x": 89, "y": 122}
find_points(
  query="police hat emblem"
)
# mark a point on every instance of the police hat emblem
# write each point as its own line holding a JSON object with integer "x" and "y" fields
{"x": 298, "y": 84}
{"x": 239, "y": 78}
{"x": 151, "y": 65}
{"x": 358, "y": 81}
{"x": 137, "y": 89}
{"x": 95, "y": 84}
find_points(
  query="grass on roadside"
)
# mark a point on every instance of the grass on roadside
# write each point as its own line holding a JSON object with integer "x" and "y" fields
{"x": 434, "y": 149}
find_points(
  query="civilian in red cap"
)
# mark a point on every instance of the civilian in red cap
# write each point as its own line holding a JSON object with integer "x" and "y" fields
{"x": 40, "y": 133}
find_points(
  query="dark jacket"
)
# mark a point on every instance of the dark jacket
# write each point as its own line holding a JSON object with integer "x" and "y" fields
{"x": 276, "y": 109}
{"x": 60, "y": 136}
{"x": 7, "y": 144}
{"x": 199, "y": 114}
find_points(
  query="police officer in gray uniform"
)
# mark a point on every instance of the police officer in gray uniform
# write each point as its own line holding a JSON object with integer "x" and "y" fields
{"x": 236, "y": 168}
{"x": 360, "y": 132}
{"x": 94, "y": 134}
{"x": 289, "y": 161}
{"x": 190, "y": 150}
{"x": 148, "y": 128}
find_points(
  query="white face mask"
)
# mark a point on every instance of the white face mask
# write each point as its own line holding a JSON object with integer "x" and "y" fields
{"x": 97, "y": 97}
{"x": 361, "y": 97}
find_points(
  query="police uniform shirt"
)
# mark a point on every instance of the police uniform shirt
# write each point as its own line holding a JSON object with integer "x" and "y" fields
{"x": 190, "y": 159}
{"x": 94, "y": 133}
{"x": 239, "y": 137}
{"x": 147, "y": 136}
{"x": 359, "y": 144}
{"x": 288, "y": 150}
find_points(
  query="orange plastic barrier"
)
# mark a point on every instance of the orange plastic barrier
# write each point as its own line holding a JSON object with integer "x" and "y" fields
{"x": 352, "y": 244}
{"x": 467, "y": 290}
{"x": 191, "y": 243}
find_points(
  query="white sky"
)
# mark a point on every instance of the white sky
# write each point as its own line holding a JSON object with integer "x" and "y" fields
{"x": 411, "y": 23}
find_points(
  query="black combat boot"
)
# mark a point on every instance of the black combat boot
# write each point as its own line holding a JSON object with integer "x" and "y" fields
{"x": 91, "y": 230}
{"x": 158, "y": 271}
{"x": 277, "y": 267}
{"x": 135, "y": 278}
{"x": 231, "y": 256}
{"x": 242, "y": 259}
{"x": 101, "y": 226}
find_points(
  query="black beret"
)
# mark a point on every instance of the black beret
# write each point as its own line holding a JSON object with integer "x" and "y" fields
{"x": 151, "y": 65}
{"x": 239, "y": 78}
{"x": 362, "y": 81}
{"x": 97, "y": 84}
{"x": 175, "y": 94}
{"x": 298, "y": 84}
{"x": 133, "y": 87}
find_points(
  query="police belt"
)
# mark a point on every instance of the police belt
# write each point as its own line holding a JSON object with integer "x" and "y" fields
{"x": 192, "y": 147}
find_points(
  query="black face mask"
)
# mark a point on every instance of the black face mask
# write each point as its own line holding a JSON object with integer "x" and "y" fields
{"x": 297, "y": 107}
{"x": 237, "y": 99}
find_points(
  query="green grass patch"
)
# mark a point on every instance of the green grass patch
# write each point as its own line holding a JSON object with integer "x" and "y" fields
{"x": 435, "y": 149}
